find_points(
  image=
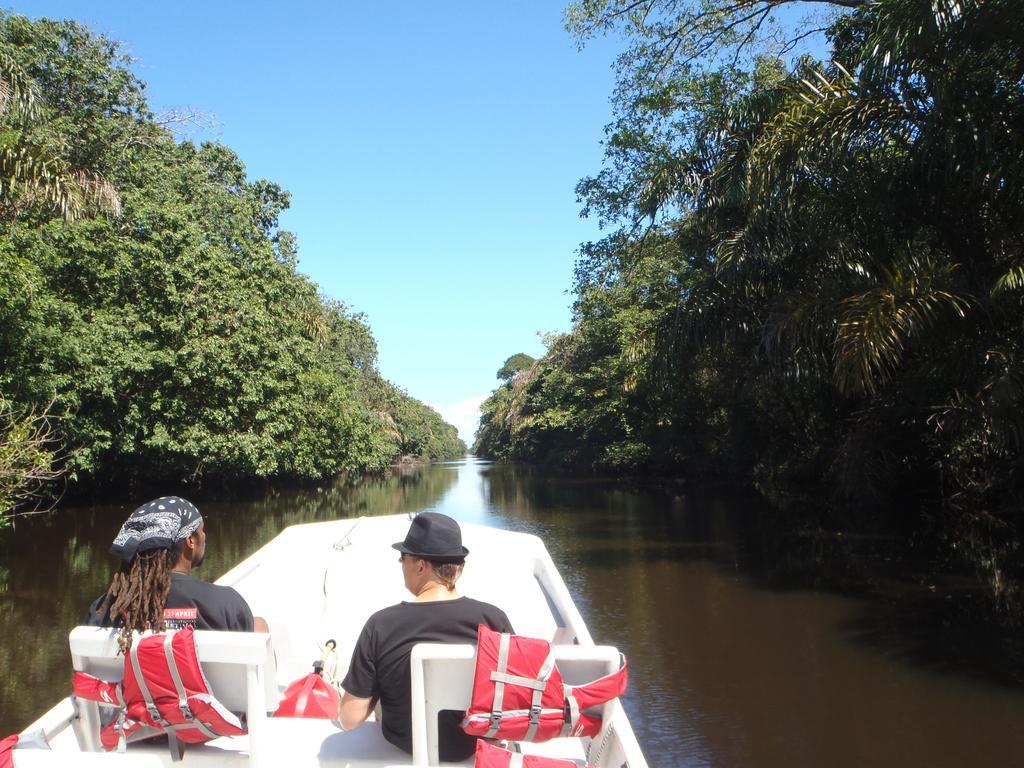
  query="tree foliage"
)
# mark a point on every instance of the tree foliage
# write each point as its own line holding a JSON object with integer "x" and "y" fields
{"x": 815, "y": 273}
{"x": 34, "y": 174}
{"x": 28, "y": 458}
{"x": 513, "y": 365}
{"x": 176, "y": 341}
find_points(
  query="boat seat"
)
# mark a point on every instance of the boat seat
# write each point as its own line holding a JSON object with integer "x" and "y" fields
{"x": 442, "y": 678}
{"x": 239, "y": 667}
{"x": 41, "y": 758}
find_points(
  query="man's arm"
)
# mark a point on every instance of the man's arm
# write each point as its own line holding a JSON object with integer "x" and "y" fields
{"x": 361, "y": 676}
{"x": 354, "y": 711}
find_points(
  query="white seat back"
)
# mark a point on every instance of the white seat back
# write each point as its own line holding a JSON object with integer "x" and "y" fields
{"x": 442, "y": 678}
{"x": 239, "y": 666}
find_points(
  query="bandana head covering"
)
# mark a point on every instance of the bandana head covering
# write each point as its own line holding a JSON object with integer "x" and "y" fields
{"x": 158, "y": 524}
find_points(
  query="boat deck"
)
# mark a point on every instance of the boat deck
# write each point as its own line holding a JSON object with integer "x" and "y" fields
{"x": 322, "y": 581}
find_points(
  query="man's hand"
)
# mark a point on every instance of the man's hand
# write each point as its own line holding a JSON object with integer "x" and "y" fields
{"x": 354, "y": 711}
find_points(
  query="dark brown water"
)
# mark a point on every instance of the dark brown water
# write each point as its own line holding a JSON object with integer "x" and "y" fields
{"x": 724, "y": 670}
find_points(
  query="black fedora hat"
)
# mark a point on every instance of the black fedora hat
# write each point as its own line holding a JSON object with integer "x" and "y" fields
{"x": 435, "y": 537}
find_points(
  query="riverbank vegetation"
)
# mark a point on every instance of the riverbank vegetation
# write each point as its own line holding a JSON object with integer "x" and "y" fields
{"x": 154, "y": 326}
{"x": 813, "y": 280}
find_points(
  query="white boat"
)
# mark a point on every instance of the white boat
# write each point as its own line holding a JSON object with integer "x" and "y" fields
{"x": 322, "y": 581}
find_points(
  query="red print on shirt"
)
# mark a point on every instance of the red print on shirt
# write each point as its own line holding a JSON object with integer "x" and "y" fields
{"x": 181, "y": 614}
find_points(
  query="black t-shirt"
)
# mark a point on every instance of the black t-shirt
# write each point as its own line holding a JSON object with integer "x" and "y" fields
{"x": 380, "y": 663}
{"x": 192, "y": 603}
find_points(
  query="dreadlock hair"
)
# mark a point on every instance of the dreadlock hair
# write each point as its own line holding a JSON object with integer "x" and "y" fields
{"x": 138, "y": 592}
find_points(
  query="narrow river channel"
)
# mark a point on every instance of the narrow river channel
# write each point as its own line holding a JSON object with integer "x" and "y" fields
{"x": 724, "y": 671}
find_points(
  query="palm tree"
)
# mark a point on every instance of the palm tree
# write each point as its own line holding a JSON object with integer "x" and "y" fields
{"x": 33, "y": 174}
{"x": 867, "y": 224}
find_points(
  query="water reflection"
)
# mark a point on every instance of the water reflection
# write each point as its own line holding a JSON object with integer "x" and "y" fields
{"x": 732, "y": 667}
{"x": 730, "y": 664}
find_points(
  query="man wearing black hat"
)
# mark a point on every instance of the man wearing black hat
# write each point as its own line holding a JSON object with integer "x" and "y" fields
{"x": 159, "y": 545}
{"x": 432, "y": 558}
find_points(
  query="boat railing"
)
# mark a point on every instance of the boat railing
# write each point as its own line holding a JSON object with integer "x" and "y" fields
{"x": 570, "y": 625}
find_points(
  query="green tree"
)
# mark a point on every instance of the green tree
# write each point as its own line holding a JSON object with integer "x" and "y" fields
{"x": 32, "y": 174}
{"x": 27, "y": 458}
{"x": 513, "y": 365}
{"x": 836, "y": 313}
{"x": 177, "y": 343}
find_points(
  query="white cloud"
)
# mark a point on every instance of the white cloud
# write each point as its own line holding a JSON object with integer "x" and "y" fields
{"x": 465, "y": 415}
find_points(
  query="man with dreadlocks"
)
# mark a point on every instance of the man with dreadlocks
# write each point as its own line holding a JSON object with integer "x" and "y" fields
{"x": 159, "y": 545}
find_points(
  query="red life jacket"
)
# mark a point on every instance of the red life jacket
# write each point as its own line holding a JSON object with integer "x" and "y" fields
{"x": 6, "y": 748}
{"x": 490, "y": 756}
{"x": 163, "y": 691}
{"x": 518, "y": 692}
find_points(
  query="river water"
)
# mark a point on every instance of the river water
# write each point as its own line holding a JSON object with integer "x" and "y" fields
{"x": 725, "y": 671}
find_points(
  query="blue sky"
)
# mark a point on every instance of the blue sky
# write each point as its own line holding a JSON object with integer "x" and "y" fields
{"x": 431, "y": 150}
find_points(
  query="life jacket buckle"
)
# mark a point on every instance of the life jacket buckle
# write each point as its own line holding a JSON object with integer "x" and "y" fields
{"x": 534, "y": 714}
{"x": 186, "y": 712}
{"x": 155, "y": 716}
